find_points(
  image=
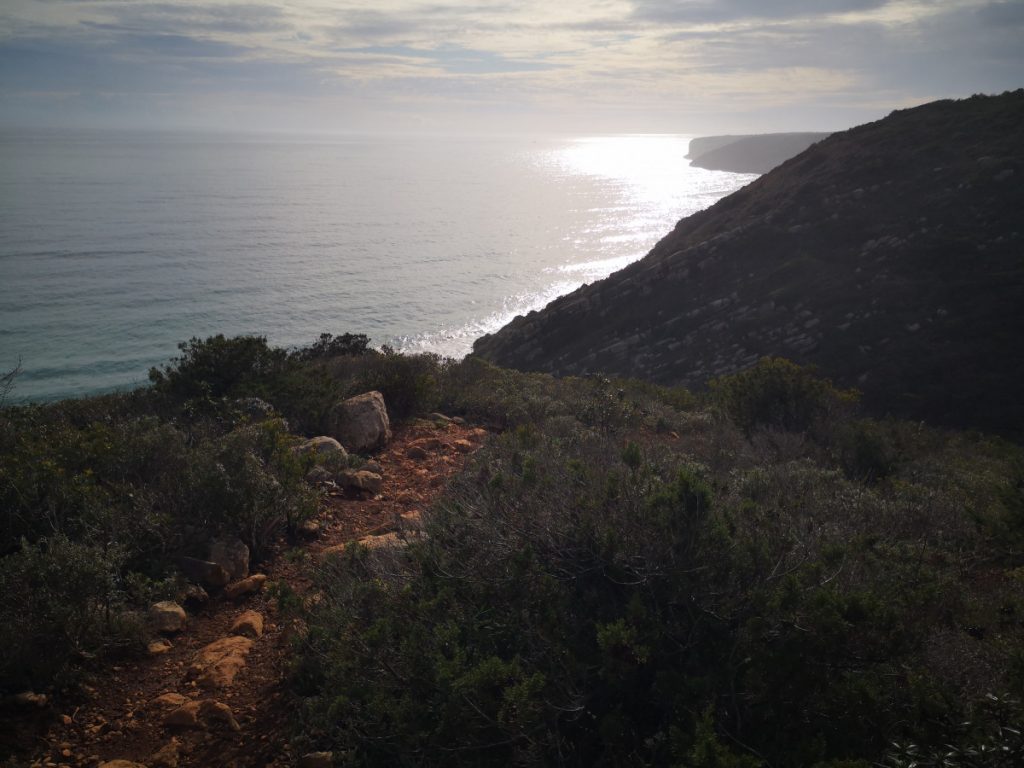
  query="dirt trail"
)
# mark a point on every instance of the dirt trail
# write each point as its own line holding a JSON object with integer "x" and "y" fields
{"x": 118, "y": 720}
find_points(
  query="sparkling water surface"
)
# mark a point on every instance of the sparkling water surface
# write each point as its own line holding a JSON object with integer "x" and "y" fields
{"x": 114, "y": 247}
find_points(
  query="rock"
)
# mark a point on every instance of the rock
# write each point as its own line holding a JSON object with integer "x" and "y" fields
{"x": 216, "y": 665}
{"x": 198, "y": 714}
{"x": 361, "y": 480}
{"x": 322, "y": 446}
{"x": 248, "y": 624}
{"x": 245, "y": 587}
{"x": 361, "y": 422}
{"x": 167, "y": 756}
{"x": 415, "y": 452}
{"x": 232, "y": 555}
{"x": 316, "y": 760}
{"x": 167, "y": 616}
{"x": 373, "y": 466}
{"x": 204, "y": 572}
{"x": 29, "y": 699}
{"x": 185, "y": 716}
{"x": 309, "y": 529}
{"x": 255, "y": 408}
{"x": 477, "y": 435}
{"x": 158, "y": 647}
{"x": 194, "y": 596}
{"x": 440, "y": 417}
{"x": 319, "y": 476}
{"x": 169, "y": 701}
{"x": 391, "y": 540}
{"x": 121, "y": 764}
{"x": 463, "y": 446}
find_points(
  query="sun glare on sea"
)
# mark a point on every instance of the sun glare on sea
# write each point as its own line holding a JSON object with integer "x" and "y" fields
{"x": 651, "y": 165}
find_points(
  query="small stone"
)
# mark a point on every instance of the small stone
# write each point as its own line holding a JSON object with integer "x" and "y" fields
{"x": 321, "y": 446}
{"x": 361, "y": 480}
{"x": 204, "y": 572}
{"x": 309, "y": 529}
{"x": 66, "y": 719}
{"x": 167, "y": 756}
{"x": 194, "y": 596}
{"x": 316, "y": 760}
{"x": 30, "y": 699}
{"x": 167, "y": 616}
{"x": 245, "y": 587}
{"x": 415, "y": 452}
{"x": 121, "y": 764}
{"x": 463, "y": 446}
{"x": 373, "y": 466}
{"x": 248, "y": 624}
{"x": 168, "y": 701}
{"x": 158, "y": 647}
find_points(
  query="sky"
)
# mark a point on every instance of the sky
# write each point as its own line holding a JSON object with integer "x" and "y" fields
{"x": 498, "y": 66}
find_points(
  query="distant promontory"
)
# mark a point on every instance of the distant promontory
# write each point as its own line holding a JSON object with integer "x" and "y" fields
{"x": 757, "y": 153}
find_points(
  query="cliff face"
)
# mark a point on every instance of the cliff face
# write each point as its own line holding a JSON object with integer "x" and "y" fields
{"x": 749, "y": 154}
{"x": 889, "y": 255}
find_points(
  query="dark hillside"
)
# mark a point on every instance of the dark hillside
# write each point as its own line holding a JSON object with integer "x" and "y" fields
{"x": 888, "y": 255}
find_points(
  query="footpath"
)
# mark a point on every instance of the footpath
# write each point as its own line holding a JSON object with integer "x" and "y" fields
{"x": 213, "y": 689}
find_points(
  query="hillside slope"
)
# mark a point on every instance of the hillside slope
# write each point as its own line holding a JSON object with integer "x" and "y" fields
{"x": 757, "y": 153}
{"x": 888, "y": 255}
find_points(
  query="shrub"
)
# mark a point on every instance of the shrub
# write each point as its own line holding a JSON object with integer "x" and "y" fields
{"x": 219, "y": 367}
{"x": 776, "y": 393}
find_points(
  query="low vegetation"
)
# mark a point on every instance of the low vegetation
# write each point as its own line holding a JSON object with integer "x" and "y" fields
{"x": 626, "y": 575}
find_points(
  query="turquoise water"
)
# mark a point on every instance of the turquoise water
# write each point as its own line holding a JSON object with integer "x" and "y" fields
{"x": 115, "y": 247}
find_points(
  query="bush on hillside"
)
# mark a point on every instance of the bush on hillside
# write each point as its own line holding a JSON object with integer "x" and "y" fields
{"x": 777, "y": 393}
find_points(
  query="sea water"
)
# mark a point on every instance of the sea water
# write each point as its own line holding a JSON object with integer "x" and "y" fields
{"x": 115, "y": 247}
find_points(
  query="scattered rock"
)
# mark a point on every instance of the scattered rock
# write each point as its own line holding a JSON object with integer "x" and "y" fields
{"x": 361, "y": 422}
{"x": 204, "y": 572}
{"x": 194, "y": 597}
{"x": 440, "y": 417}
{"x": 319, "y": 476}
{"x": 309, "y": 529}
{"x": 477, "y": 435}
{"x": 199, "y": 714}
{"x": 463, "y": 446}
{"x": 391, "y": 540}
{"x": 158, "y": 647}
{"x": 232, "y": 555}
{"x": 216, "y": 665}
{"x": 360, "y": 480}
{"x": 121, "y": 764}
{"x": 322, "y": 446}
{"x": 415, "y": 452}
{"x": 248, "y": 624}
{"x": 167, "y": 616}
{"x": 168, "y": 701}
{"x": 245, "y": 587}
{"x": 167, "y": 756}
{"x": 373, "y": 466}
{"x": 29, "y": 699}
{"x": 316, "y": 760}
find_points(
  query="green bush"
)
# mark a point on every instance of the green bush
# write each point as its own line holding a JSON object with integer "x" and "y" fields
{"x": 64, "y": 597}
{"x": 219, "y": 367}
{"x": 778, "y": 394}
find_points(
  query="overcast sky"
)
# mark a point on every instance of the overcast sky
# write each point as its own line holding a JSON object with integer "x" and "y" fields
{"x": 689, "y": 66}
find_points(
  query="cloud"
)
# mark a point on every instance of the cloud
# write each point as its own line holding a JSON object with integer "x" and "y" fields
{"x": 635, "y": 64}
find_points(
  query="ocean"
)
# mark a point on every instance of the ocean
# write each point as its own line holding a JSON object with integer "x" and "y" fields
{"x": 115, "y": 247}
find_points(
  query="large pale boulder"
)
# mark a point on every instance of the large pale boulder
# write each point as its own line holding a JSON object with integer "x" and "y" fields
{"x": 232, "y": 555}
{"x": 361, "y": 422}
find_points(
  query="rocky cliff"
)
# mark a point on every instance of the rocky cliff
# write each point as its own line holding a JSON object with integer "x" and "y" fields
{"x": 889, "y": 255}
{"x": 757, "y": 153}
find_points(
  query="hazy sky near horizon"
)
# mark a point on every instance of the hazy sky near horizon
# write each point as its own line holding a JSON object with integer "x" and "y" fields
{"x": 698, "y": 66}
